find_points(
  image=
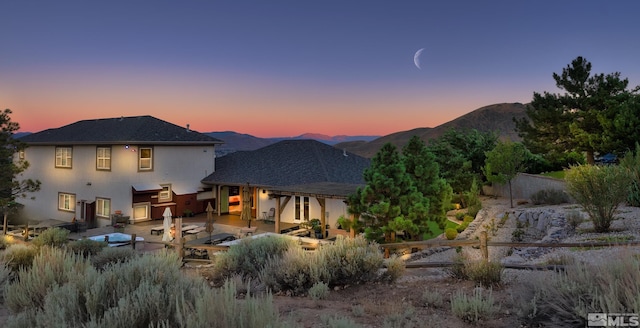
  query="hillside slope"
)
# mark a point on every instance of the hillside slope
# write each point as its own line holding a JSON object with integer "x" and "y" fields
{"x": 493, "y": 118}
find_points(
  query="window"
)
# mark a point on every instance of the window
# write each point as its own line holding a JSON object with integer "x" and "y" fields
{"x": 141, "y": 211}
{"x": 103, "y": 158}
{"x": 297, "y": 208}
{"x": 103, "y": 207}
{"x": 21, "y": 154}
{"x": 165, "y": 194}
{"x": 66, "y": 202}
{"x": 306, "y": 208}
{"x": 63, "y": 157}
{"x": 145, "y": 159}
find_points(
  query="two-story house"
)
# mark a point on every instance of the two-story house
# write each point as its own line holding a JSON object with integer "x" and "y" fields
{"x": 136, "y": 166}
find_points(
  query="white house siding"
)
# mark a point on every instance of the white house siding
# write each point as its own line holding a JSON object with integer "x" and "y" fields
{"x": 184, "y": 166}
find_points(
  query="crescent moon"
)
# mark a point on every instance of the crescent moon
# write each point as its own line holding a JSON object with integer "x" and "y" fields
{"x": 416, "y": 58}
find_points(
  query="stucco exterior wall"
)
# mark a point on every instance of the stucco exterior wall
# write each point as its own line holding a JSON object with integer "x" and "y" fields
{"x": 181, "y": 166}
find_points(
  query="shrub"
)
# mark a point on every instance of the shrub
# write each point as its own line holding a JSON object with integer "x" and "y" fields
{"x": 550, "y": 197}
{"x": 151, "y": 291}
{"x": 473, "y": 308}
{"x": 112, "y": 255}
{"x": 468, "y": 219}
{"x": 462, "y": 226}
{"x": 55, "y": 237}
{"x": 574, "y": 218}
{"x": 631, "y": 162}
{"x": 600, "y": 190}
{"x": 482, "y": 272}
{"x": 319, "y": 291}
{"x": 432, "y": 298}
{"x": 347, "y": 261}
{"x": 395, "y": 268}
{"x": 564, "y": 299}
{"x": 5, "y": 241}
{"x": 19, "y": 256}
{"x": 451, "y": 233}
{"x": 249, "y": 257}
{"x": 86, "y": 247}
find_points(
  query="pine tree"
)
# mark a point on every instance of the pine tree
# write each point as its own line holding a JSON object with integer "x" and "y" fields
{"x": 12, "y": 166}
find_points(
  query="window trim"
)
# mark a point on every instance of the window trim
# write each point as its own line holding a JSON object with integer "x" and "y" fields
{"x": 168, "y": 192}
{"x": 103, "y": 215}
{"x": 69, "y": 157}
{"x": 140, "y": 150}
{"x": 103, "y": 158}
{"x": 71, "y": 201}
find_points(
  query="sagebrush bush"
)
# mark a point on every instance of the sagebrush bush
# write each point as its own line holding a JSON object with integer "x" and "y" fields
{"x": 112, "y": 255}
{"x": 395, "y": 268}
{"x": 348, "y": 261}
{"x": 65, "y": 290}
{"x": 481, "y": 272}
{"x": 55, "y": 237}
{"x": 319, "y": 291}
{"x": 18, "y": 256}
{"x": 5, "y": 241}
{"x": 484, "y": 272}
{"x": 600, "y": 190}
{"x": 631, "y": 162}
{"x": 249, "y": 257}
{"x": 474, "y": 308}
{"x": 86, "y": 247}
{"x": 451, "y": 233}
{"x": 563, "y": 299}
{"x": 432, "y": 298}
{"x": 549, "y": 197}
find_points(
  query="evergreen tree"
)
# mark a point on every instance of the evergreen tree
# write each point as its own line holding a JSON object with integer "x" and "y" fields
{"x": 580, "y": 119}
{"x": 424, "y": 171}
{"x": 11, "y": 167}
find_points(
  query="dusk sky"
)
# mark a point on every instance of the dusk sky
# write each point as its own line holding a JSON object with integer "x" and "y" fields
{"x": 283, "y": 68}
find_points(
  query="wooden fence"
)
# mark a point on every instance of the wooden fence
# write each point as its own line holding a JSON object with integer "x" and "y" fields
{"x": 483, "y": 244}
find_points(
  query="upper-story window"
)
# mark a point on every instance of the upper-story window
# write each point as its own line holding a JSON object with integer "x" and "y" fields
{"x": 103, "y": 207}
{"x": 165, "y": 194}
{"x": 145, "y": 159}
{"x": 103, "y": 158}
{"x": 64, "y": 156}
{"x": 66, "y": 202}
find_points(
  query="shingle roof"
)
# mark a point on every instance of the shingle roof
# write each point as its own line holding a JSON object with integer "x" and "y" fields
{"x": 121, "y": 130}
{"x": 293, "y": 165}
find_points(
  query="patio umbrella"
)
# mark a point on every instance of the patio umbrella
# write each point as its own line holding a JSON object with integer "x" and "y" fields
{"x": 166, "y": 224}
{"x": 246, "y": 206}
{"x": 209, "y": 226}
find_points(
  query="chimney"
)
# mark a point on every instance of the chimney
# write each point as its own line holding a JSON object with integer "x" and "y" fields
{"x": 188, "y": 128}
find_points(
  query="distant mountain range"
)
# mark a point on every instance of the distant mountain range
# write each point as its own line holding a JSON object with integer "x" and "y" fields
{"x": 493, "y": 118}
{"x": 234, "y": 141}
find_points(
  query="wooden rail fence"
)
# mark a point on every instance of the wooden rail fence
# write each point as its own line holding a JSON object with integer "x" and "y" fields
{"x": 483, "y": 243}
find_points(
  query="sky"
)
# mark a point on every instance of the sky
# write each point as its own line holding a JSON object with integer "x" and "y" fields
{"x": 283, "y": 68}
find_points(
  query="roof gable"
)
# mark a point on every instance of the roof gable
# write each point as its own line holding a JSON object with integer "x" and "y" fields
{"x": 134, "y": 129}
{"x": 290, "y": 163}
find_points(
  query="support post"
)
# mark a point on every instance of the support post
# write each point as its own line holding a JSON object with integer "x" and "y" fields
{"x": 178, "y": 237}
{"x": 133, "y": 241}
{"x": 484, "y": 249}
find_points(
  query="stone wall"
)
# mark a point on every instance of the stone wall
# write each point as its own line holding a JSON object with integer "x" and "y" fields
{"x": 524, "y": 185}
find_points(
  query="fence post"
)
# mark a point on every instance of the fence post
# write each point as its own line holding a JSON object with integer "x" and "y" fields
{"x": 178, "y": 236}
{"x": 133, "y": 241}
{"x": 483, "y": 246}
